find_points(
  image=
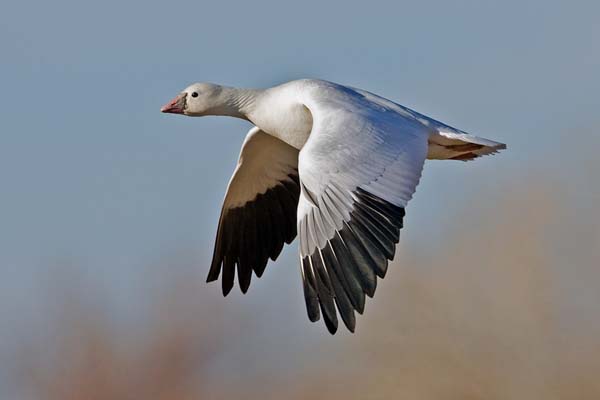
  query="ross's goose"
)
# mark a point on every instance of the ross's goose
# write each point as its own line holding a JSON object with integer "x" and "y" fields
{"x": 335, "y": 164}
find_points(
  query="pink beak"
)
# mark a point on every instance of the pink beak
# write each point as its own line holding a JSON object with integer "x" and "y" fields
{"x": 175, "y": 106}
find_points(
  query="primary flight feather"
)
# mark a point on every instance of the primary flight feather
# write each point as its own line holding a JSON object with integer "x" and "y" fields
{"x": 332, "y": 164}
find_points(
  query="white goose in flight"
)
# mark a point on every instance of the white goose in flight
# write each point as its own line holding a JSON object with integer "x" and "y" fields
{"x": 335, "y": 165}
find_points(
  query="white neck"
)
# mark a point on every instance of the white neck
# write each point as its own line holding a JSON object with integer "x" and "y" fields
{"x": 276, "y": 111}
{"x": 237, "y": 103}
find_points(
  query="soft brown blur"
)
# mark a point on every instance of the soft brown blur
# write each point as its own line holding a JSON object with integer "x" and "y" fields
{"x": 505, "y": 308}
{"x": 87, "y": 354}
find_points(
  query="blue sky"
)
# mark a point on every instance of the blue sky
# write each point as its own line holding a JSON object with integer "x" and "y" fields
{"x": 92, "y": 174}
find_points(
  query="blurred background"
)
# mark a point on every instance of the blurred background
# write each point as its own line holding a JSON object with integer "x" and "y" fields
{"x": 108, "y": 208}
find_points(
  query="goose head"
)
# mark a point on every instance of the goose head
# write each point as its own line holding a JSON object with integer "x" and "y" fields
{"x": 197, "y": 100}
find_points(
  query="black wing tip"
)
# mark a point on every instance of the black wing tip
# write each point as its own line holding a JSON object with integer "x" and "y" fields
{"x": 351, "y": 328}
{"x": 371, "y": 292}
{"x": 360, "y": 309}
{"x": 253, "y": 233}
{"x": 361, "y": 253}
{"x": 228, "y": 284}
{"x": 226, "y": 290}
{"x": 244, "y": 278}
{"x": 244, "y": 289}
{"x": 349, "y": 321}
{"x": 215, "y": 269}
{"x": 331, "y": 327}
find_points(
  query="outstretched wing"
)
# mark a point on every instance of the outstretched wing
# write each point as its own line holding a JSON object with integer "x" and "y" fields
{"x": 358, "y": 169}
{"x": 259, "y": 210}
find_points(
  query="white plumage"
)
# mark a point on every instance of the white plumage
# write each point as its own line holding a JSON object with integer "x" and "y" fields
{"x": 334, "y": 164}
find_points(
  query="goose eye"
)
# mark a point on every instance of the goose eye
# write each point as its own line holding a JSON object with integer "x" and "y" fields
{"x": 195, "y": 94}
